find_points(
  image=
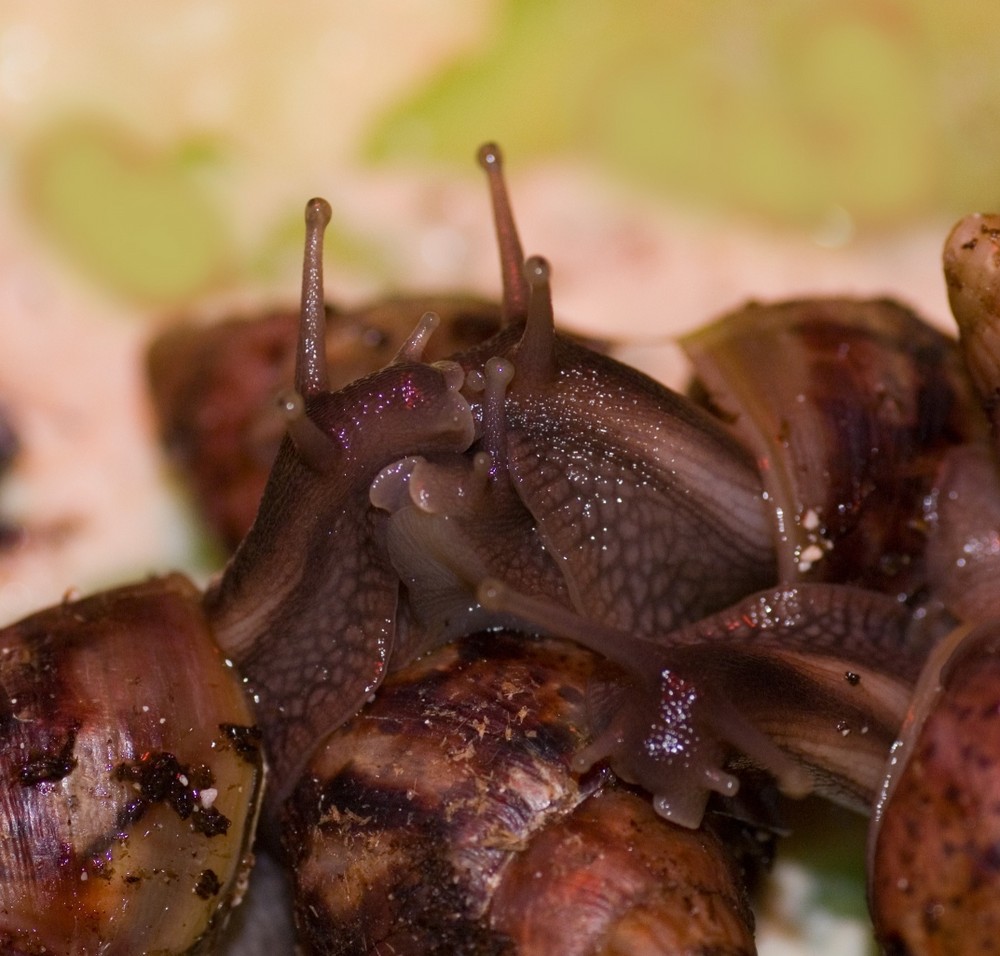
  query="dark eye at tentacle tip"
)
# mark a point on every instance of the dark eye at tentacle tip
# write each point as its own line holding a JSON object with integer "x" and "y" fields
{"x": 537, "y": 271}
{"x": 489, "y": 156}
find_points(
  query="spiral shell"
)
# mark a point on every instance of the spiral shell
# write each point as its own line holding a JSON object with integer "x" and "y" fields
{"x": 446, "y": 818}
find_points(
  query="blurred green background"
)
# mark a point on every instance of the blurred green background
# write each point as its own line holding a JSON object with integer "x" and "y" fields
{"x": 125, "y": 145}
{"x": 782, "y": 109}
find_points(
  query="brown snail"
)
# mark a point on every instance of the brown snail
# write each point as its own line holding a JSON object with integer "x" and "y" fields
{"x": 529, "y": 483}
{"x": 130, "y": 789}
{"x": 214, "y": 385}
{"x": 447, "y": 818}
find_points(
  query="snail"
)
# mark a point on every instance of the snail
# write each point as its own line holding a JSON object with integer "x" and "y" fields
{"x": 130, "y": 788}
{"x": 213, "y": 387}
{"x": 446, "y": 817}
{"x": 899, "y": 408}
{"x": 530, "y": 485}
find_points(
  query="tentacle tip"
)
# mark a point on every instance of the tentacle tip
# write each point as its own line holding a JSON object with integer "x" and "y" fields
{"x": 313, "y": 445}
{"x": 489, "y": 157}
{"x": 537, "y": 270}
{"x": 453, "y": 374}
{"x": 291, "y": 404}
{"x": 687, "y": 812}
{"x": 318, "y": 212}
{"x": 412, "y": 349}
{"x": 491, "y": 594}
{"x": 482, "y": 463}
{"x": 721, "y": 782}
{"x": 499, "y": 371}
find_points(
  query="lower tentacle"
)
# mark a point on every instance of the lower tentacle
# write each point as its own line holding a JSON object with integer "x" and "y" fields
{"x": 815, "y": 677}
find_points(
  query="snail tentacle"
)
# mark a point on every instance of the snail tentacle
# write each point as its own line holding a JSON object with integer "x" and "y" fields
{"x": 311, "y": 374}
{"x": 515, "y": 287}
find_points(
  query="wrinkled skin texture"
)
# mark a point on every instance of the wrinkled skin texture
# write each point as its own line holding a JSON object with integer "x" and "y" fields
{"x": 531, "y": 484}
{"x": 520, "y": 527}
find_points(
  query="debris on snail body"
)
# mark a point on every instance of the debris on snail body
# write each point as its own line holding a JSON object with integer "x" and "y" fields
{"x": 510, "y": 592}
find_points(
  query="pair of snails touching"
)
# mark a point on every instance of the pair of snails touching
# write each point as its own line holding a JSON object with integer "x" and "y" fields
{"x": 492, "y": 602}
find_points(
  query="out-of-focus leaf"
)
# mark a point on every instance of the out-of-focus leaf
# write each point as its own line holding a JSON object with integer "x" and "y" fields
{"x": 136, "y": 222}
{"x": 886, "y": 110}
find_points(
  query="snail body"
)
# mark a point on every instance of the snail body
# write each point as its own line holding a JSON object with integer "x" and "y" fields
{"x": 527, "y": 484}
{"x": 454, "y": 515}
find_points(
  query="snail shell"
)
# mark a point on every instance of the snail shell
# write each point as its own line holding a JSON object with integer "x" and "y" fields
{"x": 861, "y": 402}
{"x": 447, "y": 818}
{"x": 934, "y": 860}
{"x": 128, "y": 788}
